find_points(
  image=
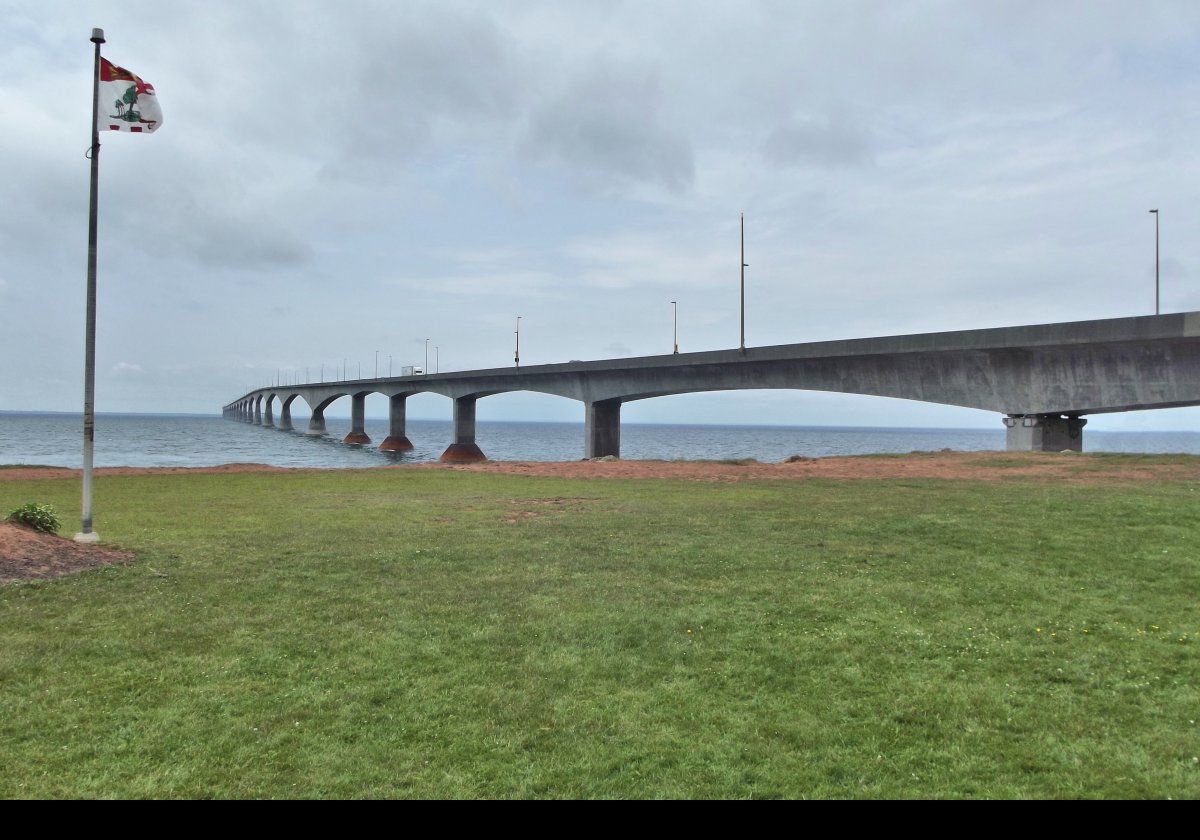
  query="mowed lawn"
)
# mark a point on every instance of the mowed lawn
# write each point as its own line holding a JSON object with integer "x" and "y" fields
{"x": 443, "y": 634}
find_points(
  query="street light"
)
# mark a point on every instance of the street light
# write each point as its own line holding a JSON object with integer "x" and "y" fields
{"x": 745, "y": 265}
{"x": 517, "y": 352}
{"x": 389, "y": 365}
{"x": 437, "y": 359}
{"x": 675, "y": 331}
{"x": 426, "y": 369}
{"x": 376, "y": 364}
{"x": 1155, "y": 212}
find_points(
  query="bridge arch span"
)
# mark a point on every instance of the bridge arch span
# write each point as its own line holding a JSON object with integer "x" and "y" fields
{"x": 1044, "y": 377}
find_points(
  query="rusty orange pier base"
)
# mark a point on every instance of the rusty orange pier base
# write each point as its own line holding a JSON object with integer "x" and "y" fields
{"x": 462, "y": 453}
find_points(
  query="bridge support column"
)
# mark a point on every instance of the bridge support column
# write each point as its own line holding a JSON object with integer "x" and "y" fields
{"x": 358, "y": 435}
{"x": 285, "y": 416}
{"x": 316, "y": 423}
{"x": 258, "y": 412}
{"x": 269, "y": 414}
{"x": 463, "y": 450}
{"x": 396, "y": 441}
{"x": 1044, "y": 432}
{"x": 602, "y": 429}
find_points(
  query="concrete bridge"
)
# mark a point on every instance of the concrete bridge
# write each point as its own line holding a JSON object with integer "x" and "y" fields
{"x": 1044, "y": 379}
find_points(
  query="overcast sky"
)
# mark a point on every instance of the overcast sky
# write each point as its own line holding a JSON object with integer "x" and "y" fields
{"x": 336, "y": 179}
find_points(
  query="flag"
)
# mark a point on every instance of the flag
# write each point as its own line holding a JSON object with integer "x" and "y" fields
{"x": 126, "y": 102}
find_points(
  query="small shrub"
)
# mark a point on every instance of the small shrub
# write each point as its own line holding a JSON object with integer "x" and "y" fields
{"x": 39, "y": 517}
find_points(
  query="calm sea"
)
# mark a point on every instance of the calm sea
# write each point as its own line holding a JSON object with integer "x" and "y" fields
{"x": 191, "y": 441}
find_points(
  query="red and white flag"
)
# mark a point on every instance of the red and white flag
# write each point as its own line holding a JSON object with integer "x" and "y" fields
{"x": 126, "y": 102}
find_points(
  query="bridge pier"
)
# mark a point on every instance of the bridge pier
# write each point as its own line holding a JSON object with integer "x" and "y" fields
{"x": 285, "y": 416}
{"x": 316, "y": 423}
{"x": 396, "y": 441}
{"x": 1044, "y": 432}
{"x": 247, "y": 413}
{"x": 357, "y": 434}
{"x": 268, "y": 414}
{"x": 463, "y": 450}
{"x": 258, "y": 412}
{"x": 602, "y": 429}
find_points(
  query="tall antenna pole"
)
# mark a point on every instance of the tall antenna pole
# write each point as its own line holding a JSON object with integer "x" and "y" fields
{"x": 742, "y": 343}
{"x": 86, "y": 534}
{"x": 1156, "y": 309}
{"x": 675, "y": 327}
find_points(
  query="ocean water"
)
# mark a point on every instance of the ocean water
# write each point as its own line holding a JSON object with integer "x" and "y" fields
{"x": 192, "y": 441}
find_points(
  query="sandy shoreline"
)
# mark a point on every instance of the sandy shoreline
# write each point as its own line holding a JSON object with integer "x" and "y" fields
{"x": 977, "y": 466}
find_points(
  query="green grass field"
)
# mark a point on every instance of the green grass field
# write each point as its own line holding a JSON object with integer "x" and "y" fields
{"x": 439, "y": 634}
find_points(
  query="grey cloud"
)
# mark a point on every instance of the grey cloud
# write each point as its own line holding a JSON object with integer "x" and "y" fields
{"x": 239, "y": 247}
{"x": 424, "y": 71}
{"x": 817, "y": 141}
{"x": 608, "y": 125}
{"x": 204, "y": 221}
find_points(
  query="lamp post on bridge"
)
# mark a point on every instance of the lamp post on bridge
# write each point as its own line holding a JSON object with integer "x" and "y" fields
{"x": 1156, "y": 308}
{"x": 744, "y": 266}
{"x": 376, "y": 364}
{"x": 426, "y": 369}
{"x": 675, "y": 328}
{"x": 517, "y": 352}
{"x": 437, "y": 359}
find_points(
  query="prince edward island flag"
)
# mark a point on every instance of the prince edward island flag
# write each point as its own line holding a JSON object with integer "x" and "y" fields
{"x": 126, "y": 102}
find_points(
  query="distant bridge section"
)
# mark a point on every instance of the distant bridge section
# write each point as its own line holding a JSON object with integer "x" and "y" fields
{"x": 1044, "y": 379}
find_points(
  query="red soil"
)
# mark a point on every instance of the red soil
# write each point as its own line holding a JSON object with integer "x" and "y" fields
{"x": 26, "y": 554}
{"x": 968, "y": 466}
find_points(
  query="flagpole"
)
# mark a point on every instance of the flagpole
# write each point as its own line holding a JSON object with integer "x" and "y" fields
{"x": 86, "y": 534}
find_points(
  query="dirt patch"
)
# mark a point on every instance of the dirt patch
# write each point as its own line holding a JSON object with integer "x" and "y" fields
{"x": 26, "y": 554}
{"x": 523, "y": 509}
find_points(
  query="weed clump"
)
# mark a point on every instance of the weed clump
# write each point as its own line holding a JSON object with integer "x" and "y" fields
{"x": 39, "y": 517}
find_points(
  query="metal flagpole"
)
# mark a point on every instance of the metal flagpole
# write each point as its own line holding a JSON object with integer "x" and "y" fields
{"x": 86, "y": 534}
